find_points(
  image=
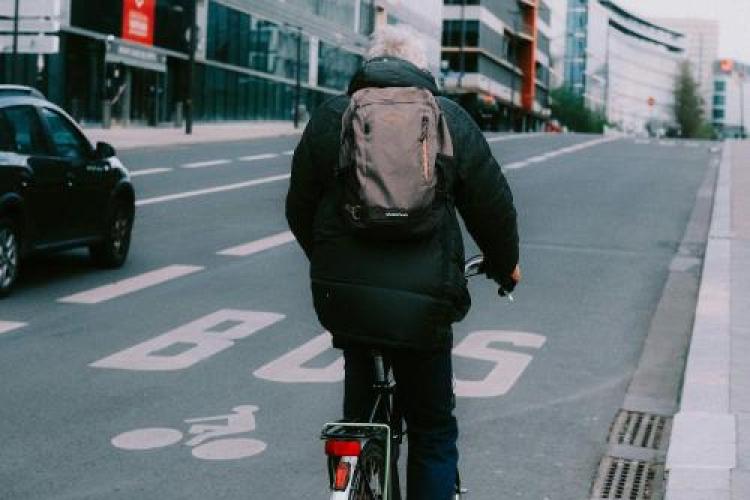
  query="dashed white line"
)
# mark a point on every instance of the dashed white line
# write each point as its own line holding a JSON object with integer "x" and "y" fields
{"x": 264, "y": 156}
{"x": 7, "y": 326}
{"x": 130, "y": 285}
{"x": 259, "y": 245}
{"x": 558, "y": 152}
{"x": 149, "y": 171}
{"x": 216, "y": 189}
{"x": 510, "y": 137}
{"x": 210, "y": 163}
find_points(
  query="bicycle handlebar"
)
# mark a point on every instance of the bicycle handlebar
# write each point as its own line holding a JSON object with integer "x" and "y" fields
{"x": 474, "y": 266}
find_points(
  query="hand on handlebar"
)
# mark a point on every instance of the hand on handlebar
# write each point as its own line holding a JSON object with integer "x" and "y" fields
{"x": 506, "y": 287}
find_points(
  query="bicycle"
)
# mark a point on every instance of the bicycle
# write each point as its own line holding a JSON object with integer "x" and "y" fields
{"x": 359, "y": 451}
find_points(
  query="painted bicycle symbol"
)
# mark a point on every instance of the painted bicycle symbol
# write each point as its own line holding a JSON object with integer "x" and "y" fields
{"x": 209, "y": 441}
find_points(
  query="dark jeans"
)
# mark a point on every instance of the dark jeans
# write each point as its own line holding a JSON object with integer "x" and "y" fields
{"x": 424, "y": 382}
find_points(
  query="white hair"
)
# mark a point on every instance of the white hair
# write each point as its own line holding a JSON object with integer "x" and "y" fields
{"x": 400, "y": 41}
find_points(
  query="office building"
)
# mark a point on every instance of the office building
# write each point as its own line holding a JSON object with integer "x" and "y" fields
{"x": 134, "y": 55}
{"x": 622, "y": 64}
{"x": 496, "y": 60}
{"x": 701, "y": 49}
{"x": 731, "y": 100}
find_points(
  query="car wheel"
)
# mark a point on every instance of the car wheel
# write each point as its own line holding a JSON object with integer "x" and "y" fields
{"x": 9, "y": 256}
{"x": 112, "y": 251}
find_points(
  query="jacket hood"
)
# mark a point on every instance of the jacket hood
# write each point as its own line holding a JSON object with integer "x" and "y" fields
{"x": 391, "y": 72}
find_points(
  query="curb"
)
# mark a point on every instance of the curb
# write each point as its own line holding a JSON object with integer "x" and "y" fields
{"x": 702, "y": 449}
{"x": 135, "y": 138}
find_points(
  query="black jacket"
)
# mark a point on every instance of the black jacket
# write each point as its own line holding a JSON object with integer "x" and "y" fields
{"x": 404, "y": 294}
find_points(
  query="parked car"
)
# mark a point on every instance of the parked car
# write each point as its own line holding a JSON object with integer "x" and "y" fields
{"x": 57, "y": 191}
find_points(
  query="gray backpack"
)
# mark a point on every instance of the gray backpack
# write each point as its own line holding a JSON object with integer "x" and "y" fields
{"x": 391, "y": 142}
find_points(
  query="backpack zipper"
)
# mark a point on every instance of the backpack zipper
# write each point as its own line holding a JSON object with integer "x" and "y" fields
{"x": 425, "y": 155}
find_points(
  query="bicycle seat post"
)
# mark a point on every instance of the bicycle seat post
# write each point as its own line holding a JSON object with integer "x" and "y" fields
{"x": 380, "y": 377}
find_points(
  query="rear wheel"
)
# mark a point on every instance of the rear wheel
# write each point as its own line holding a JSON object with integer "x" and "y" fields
{"x": 9, "y": 256}
{"x": 368, "y": 482}
{"x": 113, "y": 249}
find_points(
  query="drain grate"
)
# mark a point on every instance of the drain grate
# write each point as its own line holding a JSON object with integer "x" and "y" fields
{"x": 634, "y": 428}
{"x": 620, "y": 478}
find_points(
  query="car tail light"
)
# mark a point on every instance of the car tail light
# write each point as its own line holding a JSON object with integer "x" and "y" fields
{"x": 339, "y": 448}
{"x": 341, "y": 478}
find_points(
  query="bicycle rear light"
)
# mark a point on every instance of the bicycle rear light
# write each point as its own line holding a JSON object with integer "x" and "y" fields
{"x": 340, "y": 448}
{"x": 341, "y": 478}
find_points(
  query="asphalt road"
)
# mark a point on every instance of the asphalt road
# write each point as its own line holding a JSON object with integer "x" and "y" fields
{"x": 105, "y": 382}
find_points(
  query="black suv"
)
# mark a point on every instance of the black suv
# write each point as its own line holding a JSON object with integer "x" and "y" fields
{"x": 56, "y": 191}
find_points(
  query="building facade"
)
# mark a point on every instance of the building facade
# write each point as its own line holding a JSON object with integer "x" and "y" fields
{"x": 701, "y": 49}
{"x": 129, "y": 58}
{"x": 622, "y": 64}
{"x": 496, "y": 60}
{"x": 731, "y": 99}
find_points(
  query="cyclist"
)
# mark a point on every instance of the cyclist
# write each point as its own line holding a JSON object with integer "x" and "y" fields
{"x": 402, "y": 297}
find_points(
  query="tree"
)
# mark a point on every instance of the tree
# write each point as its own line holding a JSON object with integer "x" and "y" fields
{"x": 570, "y": 110}
{"x": 688, "y": 104}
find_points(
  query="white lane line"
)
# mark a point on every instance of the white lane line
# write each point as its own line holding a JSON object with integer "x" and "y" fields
{"x": 511, "y": 137}
{"x": 264, "y": 156}
{"x": 130, "y": 285}
{"x": 259, "y": 245}
{"x": 558, "y": 152}
{"x": 217, "y": 189}
{"x": 210, "y": 163}
{"x": 288, "y": 153}
{"x": 149, "y": 171}
{"x": 7, "y": 326}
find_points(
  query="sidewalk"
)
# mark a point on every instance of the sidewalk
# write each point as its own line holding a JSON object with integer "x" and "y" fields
{"x": 709, "y": 452}
{"x": 140, "y": 136}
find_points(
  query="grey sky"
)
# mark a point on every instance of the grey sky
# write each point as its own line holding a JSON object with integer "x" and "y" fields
{"x": 733, "y": 17}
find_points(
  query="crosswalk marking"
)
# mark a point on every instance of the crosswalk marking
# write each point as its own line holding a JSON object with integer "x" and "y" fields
{"x": 130, "y": 285}
{"x": 210, "y": 163}
{"x": 7, "y": 326}
{"x": 264, "y": 156}
{"x": 259, "y": 245}
{"x": 217, "y": 189}
{"x": 149, "y": 171}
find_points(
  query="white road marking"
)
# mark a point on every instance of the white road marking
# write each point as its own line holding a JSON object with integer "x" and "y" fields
{"x": 509, "y": 365}
{"x": 515, "y": 165}
{"x": 217, "y": 189}
{"x": 264, "y": 156}
{"x": 147, "y": 439}
{"x": 259, "y": 245}
{"x": 557, "y": 152}
{"x": 210, "y": 163}
{"x": 290, "y": 368}
{"x": 201, "y": 337}
{"x": 130, "y": 285}
{"x": 511, "y": 137}
{"x": 7, "y": 326}
{"x": 288, "y": 153}
{"x": 149, "y": 171}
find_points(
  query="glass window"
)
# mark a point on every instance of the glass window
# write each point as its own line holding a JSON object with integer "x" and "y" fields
{"x": 720, "y": 86}
{"x": 66, "y": 139}
{"x": 719, "y": 100}
{"x": 718, "y": 114}
{"x": 452, "y": 33}
{"x": 24, "y": 131}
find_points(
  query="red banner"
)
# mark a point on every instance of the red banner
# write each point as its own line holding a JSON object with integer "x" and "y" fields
{"x": 138, "y": 21}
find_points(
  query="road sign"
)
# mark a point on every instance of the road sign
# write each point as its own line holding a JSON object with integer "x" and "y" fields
{"x": 31, "y": 25}
{"x": 31, "y": 44}
{"x": 30, "y": 8}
